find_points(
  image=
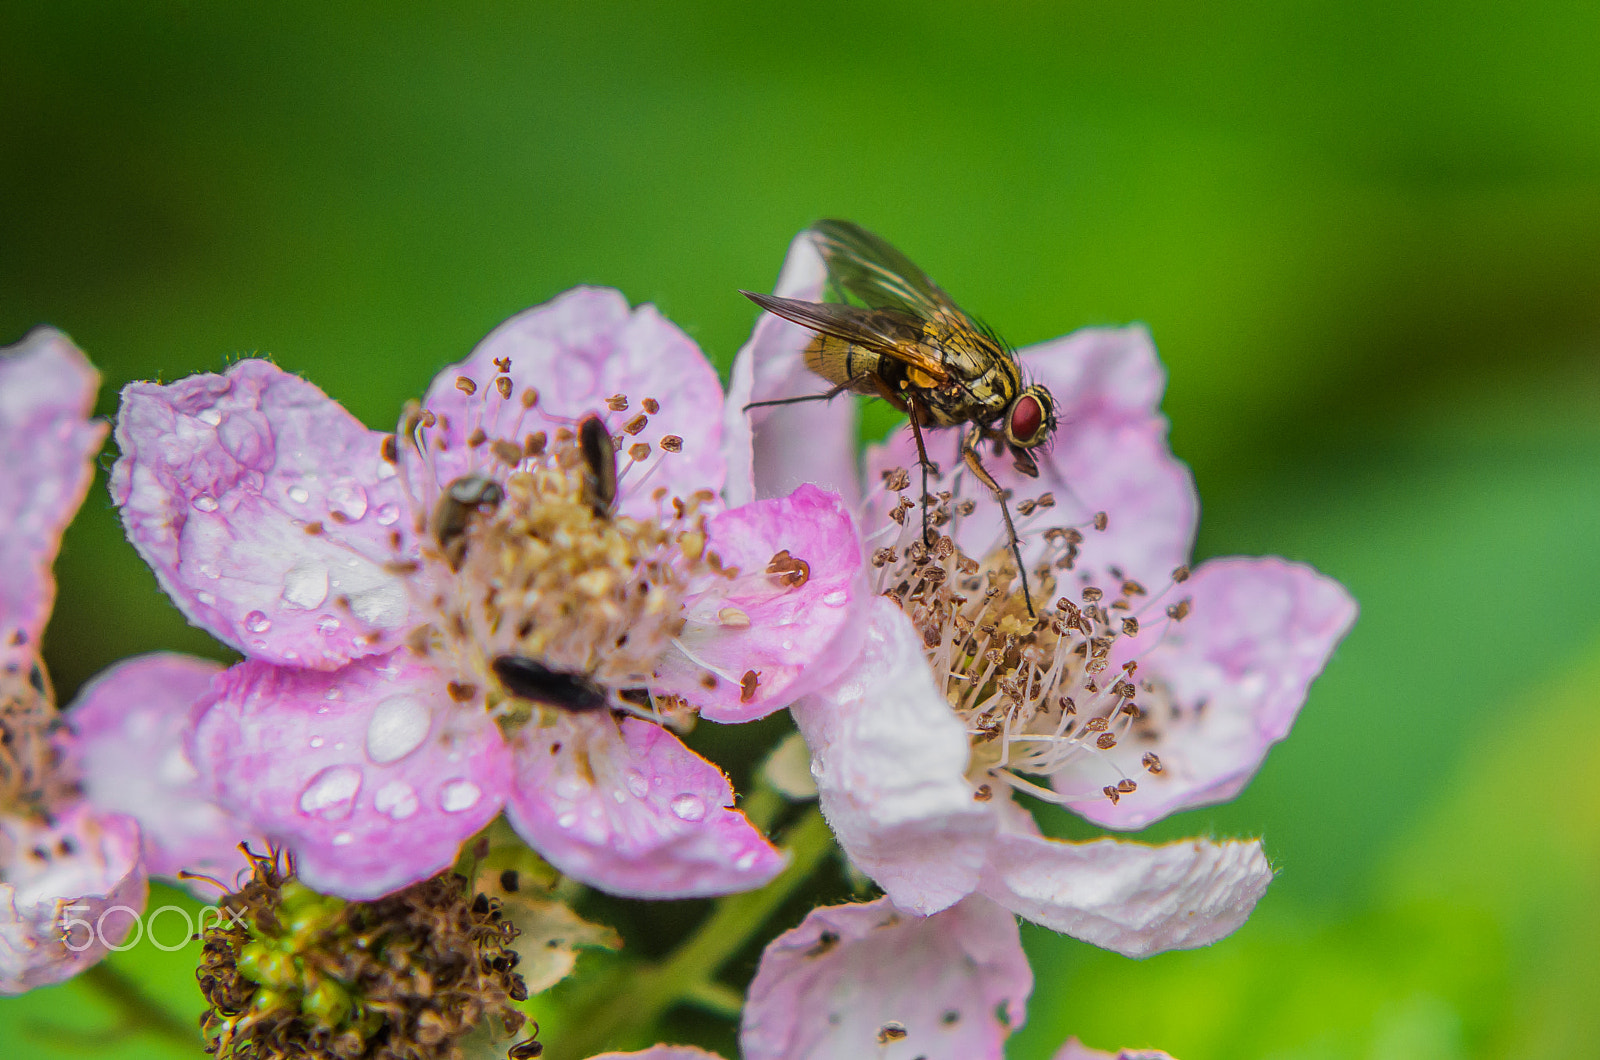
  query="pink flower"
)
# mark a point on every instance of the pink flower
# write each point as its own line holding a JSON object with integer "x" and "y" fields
{"x": 70, "y": 877}
{"x": 1145, "y": 689}
{"x": 464, "y": 616}
{"x": 867, "y": 980}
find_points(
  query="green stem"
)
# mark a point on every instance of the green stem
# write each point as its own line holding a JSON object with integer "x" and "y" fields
{"x": 136, "y": 1010}
{"x": 638, "y": 997}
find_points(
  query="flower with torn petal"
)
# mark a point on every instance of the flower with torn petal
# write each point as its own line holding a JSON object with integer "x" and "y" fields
{"x": 496, "y": 606}
{"x": 1145, "y": 689}
{"x": 70, "y": 878}
{"x": 870, "y": 980}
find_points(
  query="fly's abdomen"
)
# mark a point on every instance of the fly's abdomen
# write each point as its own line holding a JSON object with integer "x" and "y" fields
{"x": 842, "y": 362}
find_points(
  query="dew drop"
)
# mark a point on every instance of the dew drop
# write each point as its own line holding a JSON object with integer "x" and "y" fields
{"x": 459, "y": 795}
{"x": 567, "y": 820}
{"x": 203, "y": 503}
{"x": 306, "y": 585}
{"x": 257, "y": 622}
{"x": 327, "y": 624}
{"x": 349, "y": 500}
{"x": 388, "y": 514}
{"x": 298, "y": 494}
{"x": 569, "y": 787}
{"x": 689, "y": 807}
{"x": 619, "y": 795}
{"x": 317, "y": 741}
{"x": 398, "y": 726}
{"x": 745, "y": 860}
{"x": 637, "y": 784}
{"x": 205, "y": 598}
{"x": 331, "y": 795}
{"x": 343, "y": 839}
{"x": 397, "y": 799}
{"x": 835, "y": 598}
{"x": 210, "y": 417}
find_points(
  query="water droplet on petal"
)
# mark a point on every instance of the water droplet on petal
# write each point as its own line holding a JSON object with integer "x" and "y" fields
{"x": 745, "y": 860}
{"x": 343, "y": 839}
{"x": 331, "y": 795}
{"x": 349, "y": 500}
{"x": 619, "y": 795}
{"x": 257, "y": 622}
{"x": 317, "y": 741}
{"x": 459, "y": 795}
{"x": 570, "y": 787}
{"x": 210, "y": 417}
{"x": 567, "y": 820}
{"x": 398, "y": 726}
{"x": 203, "y": 503}
{"x": 306, "y": 585}
{"x": 396, "y": 799}
{"x": 688, "y": 807}
{"x": 298, "y": 494}
{"x": 388, "y": 514}
{"x": 637, "y": 784}
{"x": 327, "y": 624}
{"x": 205, "y": 598}
{"x": 835, "y": 598}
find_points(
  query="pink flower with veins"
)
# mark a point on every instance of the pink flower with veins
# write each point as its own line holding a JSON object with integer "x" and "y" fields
{"x": 71, "y": 876}
{"x": 467, "y": 615}
{"x": 868, "y": 980}
{"x": 1143, "y": 690}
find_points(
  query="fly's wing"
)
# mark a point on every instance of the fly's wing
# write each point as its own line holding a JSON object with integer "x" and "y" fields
{"x": 888, "y": 332}
{"x": 865, "y": 266}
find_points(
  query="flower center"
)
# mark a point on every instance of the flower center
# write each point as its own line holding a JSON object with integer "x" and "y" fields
{"x": 32, "y": 777}
{"x": 1039, "y": 695}
{"x": 542, "y": 593}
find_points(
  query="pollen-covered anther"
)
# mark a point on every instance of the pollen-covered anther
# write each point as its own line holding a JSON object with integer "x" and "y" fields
{"x": 1179, "y": 611}
{"x": 1151, "y": 762}
{"x": 789, "y": 571}
{"x": 748, "y": 684}
{"x": 504, "y": 386}
{"x": 466, "y": 385}
{"x": 671, "y": 443}
{"x": 891, "y": 1031}
{"x": 897, "y": 479}
{"x": 637, "y": 424}
{"x": 617, "y": 403}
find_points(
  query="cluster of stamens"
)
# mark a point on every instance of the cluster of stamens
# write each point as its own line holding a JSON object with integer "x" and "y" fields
{"x": 33, "y": 777}
{"x": 527, "y": 557}
{"x": 1037, "y": 691}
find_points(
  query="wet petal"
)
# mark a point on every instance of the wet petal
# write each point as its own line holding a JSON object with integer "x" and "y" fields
{"x": 853, "y": 977}
{"x": 1237, "y": 669}
{"x": 82, "y": 875}
{"x": 369, "y": 774}
{"x": 1076, "y": 1050}
{"x": 1128, "y": 897}
{"x": 773, "y": 450}
{"x": 47, "y": 443}
{"x": 578, "y": 350}
{"x": 890, "y": 760}
{"x": 133, "y": 722}
{"x": 783, "y": 627}
{"x": 630, "y": 810}
{"x": 222, "y": 481}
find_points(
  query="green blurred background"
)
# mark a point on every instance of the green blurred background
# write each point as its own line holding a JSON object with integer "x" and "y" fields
{"x": 1365, "y": 235}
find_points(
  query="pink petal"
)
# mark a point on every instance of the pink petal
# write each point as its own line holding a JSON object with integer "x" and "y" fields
{"x": 219, "y": 480}
{"x": 1076, "y": 1050}
{"x": 578, "y": 350}
{"x": 890, "y": 760}
{"x": 1128, "y": 897}
{"x": 632, "y": 811}
{"x": 1238, "y": 668}
{"x": 133, "y": 722}
{"x": 57, "y": 884}
{"x": 956, "y": 982}
{"x": 789, "y": 635}
{"x": 662, "y": 1052}
{"x": 1105, "y": 375}
{"x": 47, "y": 443}
{"x": 371, "y": 775}
{"x": 772, "y": 450}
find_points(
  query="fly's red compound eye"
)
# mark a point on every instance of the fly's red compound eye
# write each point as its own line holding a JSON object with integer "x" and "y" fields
{"x": 1029, "y": 419}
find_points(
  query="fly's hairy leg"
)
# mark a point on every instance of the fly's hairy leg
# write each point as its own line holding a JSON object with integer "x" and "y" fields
{"x": 969, "y": 453}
